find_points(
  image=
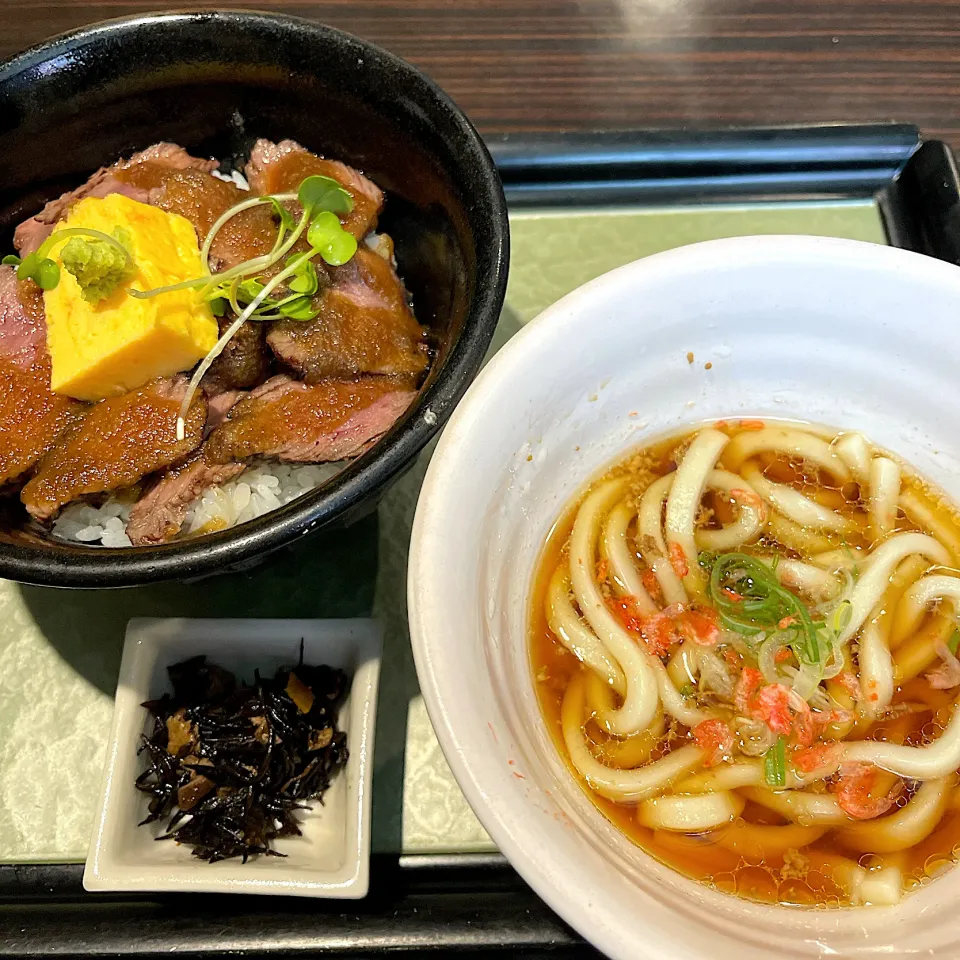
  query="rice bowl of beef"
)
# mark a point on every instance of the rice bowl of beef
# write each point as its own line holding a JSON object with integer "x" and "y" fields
{"x": 284, "y": 262}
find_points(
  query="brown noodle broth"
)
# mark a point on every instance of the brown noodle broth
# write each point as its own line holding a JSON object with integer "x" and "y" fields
{"x": 805, "y": 877}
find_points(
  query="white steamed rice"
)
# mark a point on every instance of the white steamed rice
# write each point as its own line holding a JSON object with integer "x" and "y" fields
{"x": 258, "y": 490}
{"x": 234, "y": 176}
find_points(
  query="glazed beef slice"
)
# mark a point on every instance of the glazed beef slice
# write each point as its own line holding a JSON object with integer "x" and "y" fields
{"x": 114, "y": 445}
{"x": 364, "y": 326}
{"x": 31, "y": 419}
{"x": 113, "y": 179}
{"x": 310, "y": 423}
{"x": 282, "y": 167}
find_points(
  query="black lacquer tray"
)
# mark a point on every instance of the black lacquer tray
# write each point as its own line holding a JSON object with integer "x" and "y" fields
{"x": 438, "y": 903}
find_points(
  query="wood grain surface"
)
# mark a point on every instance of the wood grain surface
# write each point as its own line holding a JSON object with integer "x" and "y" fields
{"x": 554, "y": 65}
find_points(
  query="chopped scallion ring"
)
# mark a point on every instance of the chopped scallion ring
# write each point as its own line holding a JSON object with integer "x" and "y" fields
{"x": 775, "y": 765}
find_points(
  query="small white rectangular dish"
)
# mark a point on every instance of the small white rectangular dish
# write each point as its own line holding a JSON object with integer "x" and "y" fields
{"x": 332, "y": 857}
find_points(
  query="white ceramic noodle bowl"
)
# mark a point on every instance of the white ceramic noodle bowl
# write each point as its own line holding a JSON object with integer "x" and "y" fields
{"x": 847, "y": 334}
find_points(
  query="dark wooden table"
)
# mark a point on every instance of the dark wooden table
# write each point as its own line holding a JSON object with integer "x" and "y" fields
{"x": 557, "y": 65}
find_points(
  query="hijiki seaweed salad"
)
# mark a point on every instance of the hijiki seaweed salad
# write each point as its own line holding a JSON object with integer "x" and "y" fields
{"x": 229, "y": 765}
{"x": 183, "y": 349}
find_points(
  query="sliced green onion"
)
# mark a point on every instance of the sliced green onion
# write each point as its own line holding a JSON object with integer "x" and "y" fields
{"x": 841, "y": 616}
{"x": 953, "y": 644}
{"x": 775, "y": 764}
{"x": 835, "y": 664}
{"x": 764, "y": 604}
{"x": 767, "y": 655}
{"x": 807, "y": 679}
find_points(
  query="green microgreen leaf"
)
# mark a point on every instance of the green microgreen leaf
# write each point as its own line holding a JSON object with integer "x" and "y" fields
{"x": 41, "y": 270}
{"x": 249, "y": 290}
{"x": 305, "y": 280}
{"x": 28, "y": 267}
{"x": 11, "y": 260}
{"x": 327, "y": 236}
{"x": 318, "y": 193}
{"x": 340, "y": 249}
{"x": 953, "y": 644}
{"x": 218, "y": 306}
{"x": 48, "y": 276}
{"x": 287, "y": 220}
{"x": 299, "y": 309}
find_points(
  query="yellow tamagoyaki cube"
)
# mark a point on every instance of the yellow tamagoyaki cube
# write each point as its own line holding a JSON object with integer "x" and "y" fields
{"x": 104, "y": 349}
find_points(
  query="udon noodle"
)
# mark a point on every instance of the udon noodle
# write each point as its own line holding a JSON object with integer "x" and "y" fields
{"x": 745, "y": 640}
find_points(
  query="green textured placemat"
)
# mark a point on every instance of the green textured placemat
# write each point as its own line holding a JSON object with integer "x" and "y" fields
{"x": 60, "y": 651}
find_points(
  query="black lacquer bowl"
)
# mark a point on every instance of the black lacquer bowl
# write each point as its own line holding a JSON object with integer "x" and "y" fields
{"x": 214, "y": 82}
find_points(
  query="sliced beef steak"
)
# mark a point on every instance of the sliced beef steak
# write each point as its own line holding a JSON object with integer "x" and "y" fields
{"x": 169, "y": 155}
{"x": 113, "y": 179}
{"x": 159, "y": 514}
{"x": 195, "y": 194}
{"x": 23, "y": 330}
{"x": 282, "y": 167}
{"x": 202, "y": 198}
{"x": 299, "y": 422}
{"x": 245, "y": 359}
{"x": 31, "y": 233}
{"x": 219, "y": 404}
{"x": 364, "y": 326}
{"x": 283, "y": 418}
{"x": 119, "y": 441}
{"x": 31, "y": 419}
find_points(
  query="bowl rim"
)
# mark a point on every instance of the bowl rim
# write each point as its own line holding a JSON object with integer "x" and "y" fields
{"x": 475, "y": 770}
{"x": 65, "y": 565}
